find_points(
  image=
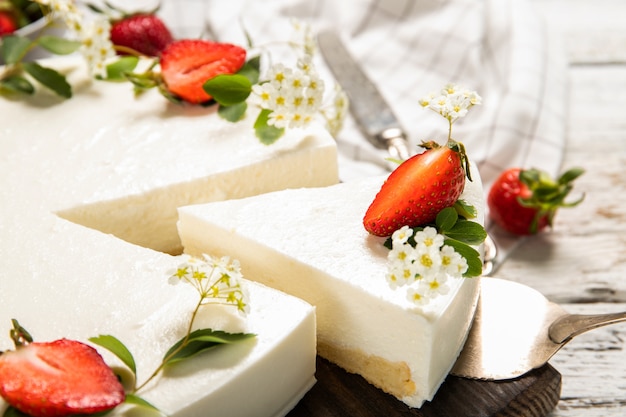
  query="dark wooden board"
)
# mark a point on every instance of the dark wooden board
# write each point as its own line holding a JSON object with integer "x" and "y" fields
{"x": 340, "y": 394}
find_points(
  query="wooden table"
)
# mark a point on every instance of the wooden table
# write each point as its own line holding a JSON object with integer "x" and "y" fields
{"x": 581, "y": 264}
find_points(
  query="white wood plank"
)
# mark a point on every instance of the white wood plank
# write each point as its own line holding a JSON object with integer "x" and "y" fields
{"x": 592, "y": 31}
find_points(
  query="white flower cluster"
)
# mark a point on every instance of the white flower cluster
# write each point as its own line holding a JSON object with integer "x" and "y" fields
{"x": 216, "y": 280}
{"x": 294, "y": 96}
{"x": 425, "y": 267}
{"x": 452, "y": 102}
{"x": 94, "y": 35}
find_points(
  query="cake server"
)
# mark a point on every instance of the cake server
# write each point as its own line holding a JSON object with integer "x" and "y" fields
{"x": 516, "y": 329}
{"x": 367, "y": 105}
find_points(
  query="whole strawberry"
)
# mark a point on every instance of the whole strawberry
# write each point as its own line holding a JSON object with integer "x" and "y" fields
{"x": 417, "y": 190}
{"x": 187, "y": 64}
{"x": 144, "y": 33}
{"x": 524, "y": 202}
{"x": 8, "y": 24}
{"x": 59, "y": 378}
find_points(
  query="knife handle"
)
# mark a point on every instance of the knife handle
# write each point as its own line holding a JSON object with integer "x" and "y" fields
{"x": 396, "y": 143}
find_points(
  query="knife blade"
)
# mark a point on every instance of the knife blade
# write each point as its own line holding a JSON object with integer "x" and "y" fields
{"x": 367, "y": 105}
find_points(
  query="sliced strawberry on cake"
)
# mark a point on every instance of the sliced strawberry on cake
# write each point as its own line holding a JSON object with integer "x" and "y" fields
{"x": 58, "y": 378}
{"x": 187, "y": 64}
{"x": 418, "y": 189}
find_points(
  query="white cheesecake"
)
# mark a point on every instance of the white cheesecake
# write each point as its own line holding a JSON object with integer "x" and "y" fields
{"x": 311, "y": 243}
{"x": 89, "y": 189}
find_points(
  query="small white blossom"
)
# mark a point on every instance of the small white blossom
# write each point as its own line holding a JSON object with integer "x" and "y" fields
{"x": 94, "y": 35}
{"x": 97, "y": 47}
{"x": 293, "y": 96}
{"x": 336, "y": 113}
{"x": 429, "y": 238}
{"x": 452, "y": 262}
{"x": 402, "y": 235}
{"x": 302, "y": 38}
{"x": 452, "y": 102}
{"x": 216, "y": 280}
{"x": 424, "y": 266}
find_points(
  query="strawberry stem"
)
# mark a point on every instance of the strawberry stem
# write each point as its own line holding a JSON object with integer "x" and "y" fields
{"x": 19, "y": 335}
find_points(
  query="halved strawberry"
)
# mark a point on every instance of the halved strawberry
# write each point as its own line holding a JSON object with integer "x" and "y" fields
{"x": 59, "y": 378}
{"x": 144, "y": 33}
{"x": 187, "y": 64}
{"x": 418, "y": 189}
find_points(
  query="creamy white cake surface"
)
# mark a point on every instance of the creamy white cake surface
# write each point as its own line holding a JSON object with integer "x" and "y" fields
{"x": 89, "y": 189}
{"x": 311, "y": 243}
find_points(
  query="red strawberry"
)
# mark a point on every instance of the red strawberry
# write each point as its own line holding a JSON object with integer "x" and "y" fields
{"x": 145, "y": 33}
{"x": 58, "y": 378}
{"x": 524, "y": 202}
{"x": 418, "y": 189}
{"x": 187, "y": 64}
{"x": 7, "y": 23}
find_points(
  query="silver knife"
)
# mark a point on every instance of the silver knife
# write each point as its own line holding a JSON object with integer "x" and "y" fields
{"x": 367, "y": 105}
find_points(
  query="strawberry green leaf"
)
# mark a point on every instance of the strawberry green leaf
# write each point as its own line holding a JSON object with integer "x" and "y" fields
{"x": 14, "y": 48}
{"x": 233, "y": 113}
{"x": 467, "y": 231}
{"x": 19, "y": 334}
{"x": 142, "y": 81}
{"x": 446, "y": 219}
{"x": 16, "y": 84}
{"x": 465, "y": 210}
{"x": 116, "y": 347}
{"x": 570, "y": 175}
{"x": 267, "y": 134}
{"x": 201, "y": 341}
{"x": 57, "y": 45}
{"x": 471, "y": 255}
{"x": 49, "y": 78}
{"x": 251, "y": 69}
{"x": 118, "y": 70}
{"x": 138, "y": 401}
{"x": 228, "y": 89}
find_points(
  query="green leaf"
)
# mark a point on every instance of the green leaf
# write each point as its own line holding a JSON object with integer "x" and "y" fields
{"x": 251, "y": 69}
{"x": 570, "y": 175}
{"x": 57, "y": 45}
{"x": 49, "y": 78}
{"x": 228, "y": 89}
{"x": 471, "y": 255}
{"x": 138, "y": 401}
{"x": 143, "y": 81}
{"x": 467, "y": 231}
{"x": 115, "y": 346}
{"x": 117, "y": 71}
{"x": 446, "y": 219}
{"x": 233, "y": 113}
{"x": 267, "y": 134}
{"x": 14, "y": 48}
{"x": 465, "y": 210}
{"x": 17, "y": 84}
{"x": 201, "y": 341}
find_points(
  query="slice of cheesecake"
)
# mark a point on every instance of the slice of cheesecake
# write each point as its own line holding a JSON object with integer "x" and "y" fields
{"x": 311, "y": 243}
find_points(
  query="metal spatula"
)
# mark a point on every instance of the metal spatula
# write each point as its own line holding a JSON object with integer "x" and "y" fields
{"x": 516, "y": 329}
